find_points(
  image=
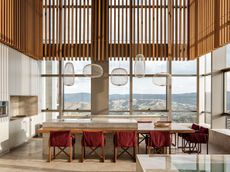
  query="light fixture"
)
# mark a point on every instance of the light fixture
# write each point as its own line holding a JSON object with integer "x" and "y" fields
{"x": 69, "y": 70}
{"x": 93, "y": 71}
{"x": 119, "y": 76}
{"x": 139, "y": 66}
{"x": 161, "y": 79}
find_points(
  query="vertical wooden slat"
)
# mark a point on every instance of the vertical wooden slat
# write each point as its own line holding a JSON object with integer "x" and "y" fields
{"x": 134, "y": 29}
{"x": 84, "y": 33}
{"x": 45, "y": 29}
{"x": 165, "y": 50}
{"x": 87, "y": 29}
{"x": 153, "y": 29}
{"x": 169, "y": 29}
{"x": 72, "y": 30}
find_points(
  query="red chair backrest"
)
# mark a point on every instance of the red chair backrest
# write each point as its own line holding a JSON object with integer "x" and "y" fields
{"x": 203, "y": 130}
{"x": 125, "y": 139}
{"x": 195, "y": 127}
{"x": 160, "y": 139}
{"x": 60, "y": 138}
{"x": 93, "y": 138}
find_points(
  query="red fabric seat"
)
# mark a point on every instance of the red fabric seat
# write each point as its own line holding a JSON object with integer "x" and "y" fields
{"x": 61, "y": 140}
{"x": 125, "y": 140}
{"x": 201, "y": 136}
{"x": 159, "y": 139}
{"x": 93, "y": 139}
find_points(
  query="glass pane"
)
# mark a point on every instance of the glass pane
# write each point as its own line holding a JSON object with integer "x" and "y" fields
{"x": 228, "y": 56}
{"x": 77, "y": 114}
{"x": 207, "y": 86}
{"x": 153, "y": 67}
{"x": 227, "y": 92}
{"x": 184, "y": 93}
{"x": 184, "y": 117}
{"x": 118, "y": 64}
{"x": 50, "y": 93}
{"x": 118, "y": 97}
{"x": 147, "y": 96}
{"x": 78, "y": 65}
{"x": 207, "y": 118}
{"x": 208, "y": 62}
{"x": 78, "y": 96}
{"x": 184, "y": 67}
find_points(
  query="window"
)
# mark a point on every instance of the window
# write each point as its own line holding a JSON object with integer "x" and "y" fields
{"x": 184, "y": 91}
{"x": 205, "y": 91}
{"x": 119, "y": 95}
{"x": 76, "y": 98}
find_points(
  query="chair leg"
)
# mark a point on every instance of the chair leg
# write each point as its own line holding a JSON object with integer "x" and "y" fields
{"x": 82, "y": 153}
{"x": 54, "y": 153}
{"x": 103, "y": 154}
{"x": 70, "y": 153}
{"x": 73, "y": 151}
{"x": 207, "y": 147}
{"x": 49, "y": 154}
{"x": 134, "y": 153}
{"x": 115, "y": 154}
{"x": 149, "y": 149}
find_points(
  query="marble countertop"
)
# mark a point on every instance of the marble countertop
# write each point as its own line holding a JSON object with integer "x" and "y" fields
{"x": 100, "y": 123}
{"x": 178, "y": 163}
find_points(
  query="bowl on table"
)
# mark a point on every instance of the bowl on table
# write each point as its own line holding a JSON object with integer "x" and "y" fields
{"x": 162, "y": 124}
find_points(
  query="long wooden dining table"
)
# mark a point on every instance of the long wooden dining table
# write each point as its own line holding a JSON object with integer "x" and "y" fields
{"x": 107, "y": 126}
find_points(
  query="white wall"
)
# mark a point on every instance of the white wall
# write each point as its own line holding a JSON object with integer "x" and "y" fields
{"x": 4, "y": 122}
{"x": 19, "y": 75}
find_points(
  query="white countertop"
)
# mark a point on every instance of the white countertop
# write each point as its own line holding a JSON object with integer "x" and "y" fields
{"x": 92, "y": 123}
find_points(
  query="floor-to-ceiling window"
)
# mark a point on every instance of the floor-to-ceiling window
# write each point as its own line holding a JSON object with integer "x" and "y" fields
{"x": 184, "y": 91}
{"x": 76, "y": 98}
{"x": 205, "y": 91}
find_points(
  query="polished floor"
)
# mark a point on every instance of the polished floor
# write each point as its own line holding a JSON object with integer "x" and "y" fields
{"x": 28, "y": 158}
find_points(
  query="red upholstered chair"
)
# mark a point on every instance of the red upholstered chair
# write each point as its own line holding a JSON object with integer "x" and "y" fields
{"x": 194, "y": 140}
{"x": 143, "y": 136}
{"x": 195, "y": 127}
{"x": 61, "y": 140}
{"x": 125, "y": 140}
{"x": 159, "y": 140}
{"x": 93, "y": 140}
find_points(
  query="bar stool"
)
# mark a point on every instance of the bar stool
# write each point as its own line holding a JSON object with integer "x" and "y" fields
{"x": 159, "y": 140}
{"x": 125, "y": 140}
{"x": 61, "y": 140}
{"x": 143, "y": 136}
{"x": 93, "y": 140}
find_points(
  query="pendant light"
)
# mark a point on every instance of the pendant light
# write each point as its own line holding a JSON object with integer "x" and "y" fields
{"x": 69, "y": 70}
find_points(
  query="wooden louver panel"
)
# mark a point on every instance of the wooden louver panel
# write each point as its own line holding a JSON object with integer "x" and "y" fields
{"x": 115, "y": 29}
{"x": 21, "y": 26}
{"x": 209, "y": 26}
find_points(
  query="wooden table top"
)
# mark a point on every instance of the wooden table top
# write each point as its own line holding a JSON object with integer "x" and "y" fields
{"x": 142, "y": 128}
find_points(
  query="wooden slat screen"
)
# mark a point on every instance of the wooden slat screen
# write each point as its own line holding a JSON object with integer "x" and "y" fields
{"x": 67, "y": 29}
{"x": 209, "y": 26}
{"x": 115, "y": 29}
{"x": 21, "y": 26}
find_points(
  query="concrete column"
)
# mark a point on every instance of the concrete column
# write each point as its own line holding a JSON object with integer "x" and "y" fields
{"x": 100, "y": 92}
{"x": 218, "y": 63}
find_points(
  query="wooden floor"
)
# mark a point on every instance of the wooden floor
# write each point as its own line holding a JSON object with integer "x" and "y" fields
{"x": 28, "y": 158}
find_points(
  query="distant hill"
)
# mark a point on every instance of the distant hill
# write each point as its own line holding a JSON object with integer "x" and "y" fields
{"x": 188, "y": 98}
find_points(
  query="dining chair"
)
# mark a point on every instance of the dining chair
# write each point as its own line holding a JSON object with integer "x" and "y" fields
{"x": 159, "y": 141}
{"x": 61, "y": 140}
{"x": 125, "y": 140}
{"x": 192, "y": 142}
{"x": 143, "y": 136}
{"x": 93, "y": 140}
